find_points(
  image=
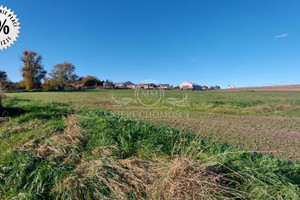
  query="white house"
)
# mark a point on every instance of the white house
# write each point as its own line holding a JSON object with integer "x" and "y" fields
{"x": 231, "y": 86}
{"x": 189, "y": 86}
{"x": 164, "y": 86}
{"x": 153, "y": 86}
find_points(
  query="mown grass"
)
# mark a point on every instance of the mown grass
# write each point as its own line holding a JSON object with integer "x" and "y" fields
{"x": 58, "y": 151}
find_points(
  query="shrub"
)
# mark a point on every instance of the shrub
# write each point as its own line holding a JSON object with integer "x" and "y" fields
{"x": 89, "y": 81}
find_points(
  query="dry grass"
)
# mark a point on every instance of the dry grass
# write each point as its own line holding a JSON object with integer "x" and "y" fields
{"x": 65, "y": 145}
{"x": 278, "y": 107}
{"x": 282, "y": 106}
{"x": 183, "y": 178}
{"x": 106, "y": 179}
{"x": 186, "y": 177}
{"x": 179, "y": 177}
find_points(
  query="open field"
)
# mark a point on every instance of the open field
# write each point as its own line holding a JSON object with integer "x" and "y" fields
{"x": 268, "y": 122}
{"x": 51, "y": 150}
{"x": 281, "y": 88}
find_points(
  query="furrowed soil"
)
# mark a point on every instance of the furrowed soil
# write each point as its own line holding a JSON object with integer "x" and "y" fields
{"x": 282, "y": 88}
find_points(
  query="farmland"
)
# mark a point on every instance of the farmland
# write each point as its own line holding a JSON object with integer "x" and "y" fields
{"x": 268, "y": 122}
{"x": 281, "y": 88}
{"x": 81, "y": 145}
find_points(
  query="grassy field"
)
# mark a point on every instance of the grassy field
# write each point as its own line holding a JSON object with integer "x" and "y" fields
{"x": 266, "y": 122}
{"x": 55, "y": 150}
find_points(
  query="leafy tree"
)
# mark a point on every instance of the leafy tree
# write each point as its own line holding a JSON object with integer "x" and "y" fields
{"x": 63, "y": 75}
{"x": 108, "y": 82}
{"x": 3, "y": 79}
{"x": 89, "y": 81}
{"x": 204, "y": 87}
{"x": 3, "y": 76}
{"x": 16, "y": 85}
{"x": 32, "y": 71}
{"x": 48, "y": 84}
{"x": 214, "y": 87}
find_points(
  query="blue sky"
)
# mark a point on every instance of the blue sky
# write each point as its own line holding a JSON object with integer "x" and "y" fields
{"x": 210, "y": 42}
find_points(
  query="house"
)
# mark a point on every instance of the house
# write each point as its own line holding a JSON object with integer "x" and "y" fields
{"x": 189, "y": 86}
{"x": 147, "y": 86}
{"x": 164, "y": 86}
{"x": 231, "y": 86}
{"x": 125, "y": 84}
{"x": 108, "y": 85}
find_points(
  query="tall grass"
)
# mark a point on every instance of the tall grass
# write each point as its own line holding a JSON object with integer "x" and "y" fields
{"x": 96, "y": 155}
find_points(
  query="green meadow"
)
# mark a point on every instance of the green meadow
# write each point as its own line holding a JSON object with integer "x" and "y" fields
{"x": 268, "y": 122}
{"x": 96, "y": 144}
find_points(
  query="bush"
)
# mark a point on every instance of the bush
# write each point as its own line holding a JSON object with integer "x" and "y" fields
{"x": 1, "y": 97}
{"x": 89, "y": 81}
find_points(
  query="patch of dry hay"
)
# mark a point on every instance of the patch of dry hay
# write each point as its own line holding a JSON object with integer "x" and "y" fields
{"x": 177, "y": 178}
{"x": 63, "y": 146}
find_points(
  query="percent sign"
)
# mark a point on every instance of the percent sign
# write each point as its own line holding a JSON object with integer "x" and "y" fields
{"x": 4, "y": 27}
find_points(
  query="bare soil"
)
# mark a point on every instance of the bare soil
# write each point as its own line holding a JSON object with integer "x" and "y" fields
{"x": 287, "y": 88}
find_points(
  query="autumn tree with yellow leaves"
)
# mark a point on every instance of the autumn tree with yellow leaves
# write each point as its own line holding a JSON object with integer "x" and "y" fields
{"x": 32, "y": 71}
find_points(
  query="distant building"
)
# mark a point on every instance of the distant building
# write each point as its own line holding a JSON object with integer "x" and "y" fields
{"x": 108, "y": 86}
{"x": 147, "y": 86}
{"x": 189, "y": 86}
{"x": 164, "y": 86}
{"x": 231, "y": 86}
{"x": 125, "y": 84}
{"x": 153, "y": 86}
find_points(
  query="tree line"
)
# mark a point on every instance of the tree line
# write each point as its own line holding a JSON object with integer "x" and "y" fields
{"x": 61, "y": 77}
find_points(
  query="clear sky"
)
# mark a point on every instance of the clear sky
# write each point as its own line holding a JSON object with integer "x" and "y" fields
{"x": 210, "y": 42}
